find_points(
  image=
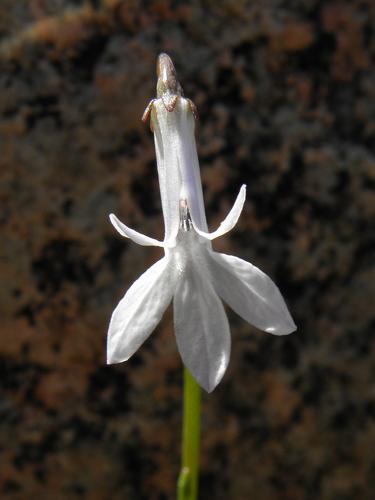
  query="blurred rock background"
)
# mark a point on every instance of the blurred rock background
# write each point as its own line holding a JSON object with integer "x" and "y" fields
{"x": 285, "y": 92}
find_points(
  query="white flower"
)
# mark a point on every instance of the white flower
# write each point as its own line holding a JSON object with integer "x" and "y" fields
{"x": 191, "y": 273}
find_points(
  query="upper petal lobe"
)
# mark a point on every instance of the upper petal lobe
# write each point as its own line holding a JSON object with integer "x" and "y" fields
{"x": 230, "y": 220}
{"x": 135, "y": 236}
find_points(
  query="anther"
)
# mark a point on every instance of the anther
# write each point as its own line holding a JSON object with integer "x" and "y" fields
{"x": 185, "y": 219}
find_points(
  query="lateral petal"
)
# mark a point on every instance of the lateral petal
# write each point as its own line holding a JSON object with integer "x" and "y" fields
{"x": 250, "y": 293}
{"x": 127, "y": 232}
{"x": 139, "y": 311}
{"x": 230, "y": 220}
{"x": 201, "y": 326}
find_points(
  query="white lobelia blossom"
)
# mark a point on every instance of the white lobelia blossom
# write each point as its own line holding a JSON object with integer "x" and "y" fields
{"x": 191, "y": 273}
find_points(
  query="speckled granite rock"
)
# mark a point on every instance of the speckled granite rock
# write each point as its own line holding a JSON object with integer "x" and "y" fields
{"x": 286, "y": 98}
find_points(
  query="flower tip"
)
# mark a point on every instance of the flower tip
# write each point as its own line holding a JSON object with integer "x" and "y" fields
{"x": 116, "y": 223}
{"x": 210, "y": 389}
{"x": 206, "y": 385}
{"x": 210, "y": 381}
{"x": 165, "y": 70}
{"x": 109, "y": 359}
{"x": 112, "y": 359}
{"x": 285, "y": 329}
{"x": 164, "y": 63}
{"x": 168, "y": 87}
{"x": 291, "y": 327}
{"x": 211, "y": 385}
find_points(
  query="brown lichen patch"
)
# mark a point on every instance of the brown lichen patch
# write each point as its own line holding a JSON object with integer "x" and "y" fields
{"x": 60, "y": 388}
{"x": 294, "y": 36}
{"x": 280, "y": 399}
{"x": 60, "y": 33}
{"x": 347, "y": 25}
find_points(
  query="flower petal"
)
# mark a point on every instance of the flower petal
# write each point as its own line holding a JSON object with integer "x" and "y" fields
{"x": 201, "y": 326}
{"x": 127, "y": 232}
{"x": 250, "y": 293}
{"x": 164, "y": 127}
{"x": 139, "y": 311}
{"x": 189, "y": 164}
{"x": 230, "y": 220}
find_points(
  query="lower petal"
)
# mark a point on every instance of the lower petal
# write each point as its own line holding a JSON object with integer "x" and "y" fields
{"x": 250, "y": 293}
{"x": 140, "y": 310}
{"x": 201, "y": 327}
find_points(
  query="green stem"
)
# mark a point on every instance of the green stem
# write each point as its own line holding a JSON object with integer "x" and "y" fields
{"x": 187, "y": 486}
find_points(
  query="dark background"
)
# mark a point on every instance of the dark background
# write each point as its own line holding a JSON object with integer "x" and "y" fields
{"x": 285, "y": 92}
